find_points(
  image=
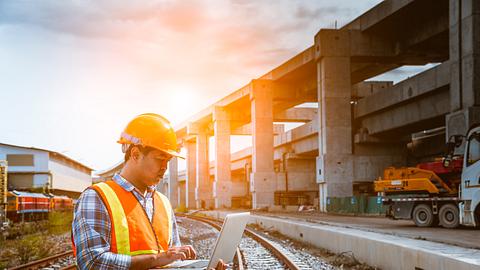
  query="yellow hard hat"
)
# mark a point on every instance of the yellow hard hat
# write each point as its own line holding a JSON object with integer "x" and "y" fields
{"x": 151, "y": 130}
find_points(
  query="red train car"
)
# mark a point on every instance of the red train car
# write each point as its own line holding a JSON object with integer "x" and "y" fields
{"x": 61, "y": 203}
{"x": 27, "y": 206}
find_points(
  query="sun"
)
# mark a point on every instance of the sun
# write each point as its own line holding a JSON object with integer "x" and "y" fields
{"x": 183, "y": 99}
{"x": 182, "y": 94}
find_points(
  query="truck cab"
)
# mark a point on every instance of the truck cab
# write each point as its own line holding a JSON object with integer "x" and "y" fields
{"x": 470, "y": 187}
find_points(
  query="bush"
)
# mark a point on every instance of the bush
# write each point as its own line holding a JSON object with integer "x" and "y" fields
{"x": 181, "y": 209}
{"x": 59, "y": 222}
{"x": 25, "y": 228}
{"x": 33, "y": 247}
{"x": 30, "y": 241}
{"x": 26, "y": 250}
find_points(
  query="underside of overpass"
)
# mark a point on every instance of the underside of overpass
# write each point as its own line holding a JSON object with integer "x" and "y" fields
{"x": 358, "y": 126}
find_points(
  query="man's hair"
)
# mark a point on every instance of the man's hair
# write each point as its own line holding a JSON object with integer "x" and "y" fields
{"x": 143, "y": 149}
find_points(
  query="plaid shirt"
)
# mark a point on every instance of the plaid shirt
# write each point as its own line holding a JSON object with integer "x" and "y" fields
{"x": 91, "y": 228}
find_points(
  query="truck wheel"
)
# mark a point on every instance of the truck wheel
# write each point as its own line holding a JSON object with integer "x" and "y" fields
{"x": 448, "y": 216}
{"x": 423, "y": 215}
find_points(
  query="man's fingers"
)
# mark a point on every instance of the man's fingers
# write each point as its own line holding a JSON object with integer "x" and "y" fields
{"x": 164, "y": 258}
{"x": 192, "y": 253}
{"x": 185, "y": 252}
{"x": 221, "y": 265}
{"x": 176, "y": 255}
{"x": 182, "y": 256}
{"x": 189, "y": 251}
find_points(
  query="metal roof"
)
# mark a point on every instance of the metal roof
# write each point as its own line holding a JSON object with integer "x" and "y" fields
{"x": 27, "y": 194}
{"x": 51, "y": 152}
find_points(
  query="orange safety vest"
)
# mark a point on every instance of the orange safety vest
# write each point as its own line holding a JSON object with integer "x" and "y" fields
{"x": 132, "y": 233}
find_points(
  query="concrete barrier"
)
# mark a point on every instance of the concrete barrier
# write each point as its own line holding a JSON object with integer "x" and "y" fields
{"x": 376, "y": 249}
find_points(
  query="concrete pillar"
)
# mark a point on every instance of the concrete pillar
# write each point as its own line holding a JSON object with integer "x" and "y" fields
{"x": 191, "y": 173}
{"x": 335, "y": 160}
{"x": 222, "y": 191}
{"x": 173, "y": 182}
{"x": 162, "y": 187}
{"x": 262, "y": 180}
{"x": 181, "y": 193}
{"x": 203, "y": 190}
{"x": 465, "y": 66}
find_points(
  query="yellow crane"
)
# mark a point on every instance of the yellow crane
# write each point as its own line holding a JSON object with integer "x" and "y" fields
{"x": 412, "y": 179}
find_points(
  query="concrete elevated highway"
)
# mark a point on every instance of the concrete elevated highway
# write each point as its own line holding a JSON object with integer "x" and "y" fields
{"x": 358, "y": 127}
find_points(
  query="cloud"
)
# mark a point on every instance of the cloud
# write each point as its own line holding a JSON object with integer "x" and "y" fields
{"x": 104, "y": 19}
{"x": 97, "y": 63}
{"x": 152, "y": 20}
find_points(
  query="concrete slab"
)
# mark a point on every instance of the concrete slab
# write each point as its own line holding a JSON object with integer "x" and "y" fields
{"x": 376, "y": 249}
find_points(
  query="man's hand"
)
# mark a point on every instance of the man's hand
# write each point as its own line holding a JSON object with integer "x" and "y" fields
{"x": 142, "y": 262}
{"x": 188, "y": 250}
{"x": 220, "y": 266}
{"x": 176, "y": 253}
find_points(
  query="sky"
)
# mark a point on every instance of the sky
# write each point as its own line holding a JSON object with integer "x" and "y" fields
{"x": 73, "y": 73}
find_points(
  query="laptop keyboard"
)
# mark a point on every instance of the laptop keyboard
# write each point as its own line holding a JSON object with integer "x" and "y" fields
{"x": 189, "y": 264}
{"x": 199, "y": 264}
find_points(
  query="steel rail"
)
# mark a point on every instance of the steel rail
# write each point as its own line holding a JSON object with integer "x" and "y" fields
{"x": 45, "y": 262}
{"x": 276, "y": 252}
{"x": 257, "y": 237}
{"x": 70, "y": 267}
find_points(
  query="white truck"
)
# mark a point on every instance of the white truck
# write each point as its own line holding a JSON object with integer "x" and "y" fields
{"x": 421, "y": 195}
{"x": 469, "y": 205}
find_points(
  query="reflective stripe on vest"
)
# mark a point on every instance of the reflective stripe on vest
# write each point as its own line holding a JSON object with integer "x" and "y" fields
{"x": 117, "y": 217}
{"x": 132, "y": 232}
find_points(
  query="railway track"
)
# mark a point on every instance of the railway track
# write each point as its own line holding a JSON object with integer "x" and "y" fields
{"x": 255, "y": 252}
{"x": 238, "y": 260}
{"x": 60, "y": 261}
{"x": 255, "y": 257}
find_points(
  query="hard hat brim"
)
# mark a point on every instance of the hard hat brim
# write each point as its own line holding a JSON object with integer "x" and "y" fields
{"x": 173, "y": 153}
{"x": 170, "y": 152}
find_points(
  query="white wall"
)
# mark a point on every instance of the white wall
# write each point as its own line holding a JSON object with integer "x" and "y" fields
{"x": 67, "y": 178}
{"x": 40, "y": 162}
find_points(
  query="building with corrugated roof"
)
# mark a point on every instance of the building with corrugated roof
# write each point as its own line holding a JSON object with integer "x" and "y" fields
{"x": 41, "y": 170}
{"x": 107, "y": 174}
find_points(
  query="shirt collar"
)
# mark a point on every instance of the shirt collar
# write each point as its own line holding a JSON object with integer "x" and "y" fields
{"x": 125, "y": 184}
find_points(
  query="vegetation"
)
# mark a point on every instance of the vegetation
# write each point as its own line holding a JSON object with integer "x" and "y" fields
{"x": 181, "y": 209}
{"x": 33, "y": 247}
{"x": 28, "y": 241}
{"x": 59, "y": 222}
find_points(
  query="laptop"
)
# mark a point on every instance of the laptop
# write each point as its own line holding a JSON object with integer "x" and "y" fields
{"x": 225, "y": 246}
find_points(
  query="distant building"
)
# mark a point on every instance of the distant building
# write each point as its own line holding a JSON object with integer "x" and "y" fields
{"x": 162, "y": 186}
{"x": 102, "y": 176}
{"x": 107, "y": 174}
{"x": 40, "y": 170}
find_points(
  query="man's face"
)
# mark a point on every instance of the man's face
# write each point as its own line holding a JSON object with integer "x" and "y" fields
{"x": 153, "y": 165}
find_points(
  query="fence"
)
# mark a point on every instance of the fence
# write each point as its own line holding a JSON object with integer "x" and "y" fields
{"x": 360, "y": 204}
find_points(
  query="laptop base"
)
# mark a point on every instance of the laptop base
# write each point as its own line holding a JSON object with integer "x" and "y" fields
{"x": 187, "y": 264}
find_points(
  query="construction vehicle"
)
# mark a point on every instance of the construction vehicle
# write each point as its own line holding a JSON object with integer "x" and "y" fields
{"x": 444, "y": 192}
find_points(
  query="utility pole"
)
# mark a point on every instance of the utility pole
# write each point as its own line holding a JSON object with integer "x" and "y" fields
{"x": 3, "y": 192}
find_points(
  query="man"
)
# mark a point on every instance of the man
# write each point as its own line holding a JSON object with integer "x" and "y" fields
{"x": 124, "y": 223}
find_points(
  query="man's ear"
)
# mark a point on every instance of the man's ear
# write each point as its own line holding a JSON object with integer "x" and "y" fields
{"x": 135, "y": 153}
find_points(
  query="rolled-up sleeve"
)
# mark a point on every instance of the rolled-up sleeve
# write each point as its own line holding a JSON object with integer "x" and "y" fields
{"x": 91, "y": 229}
